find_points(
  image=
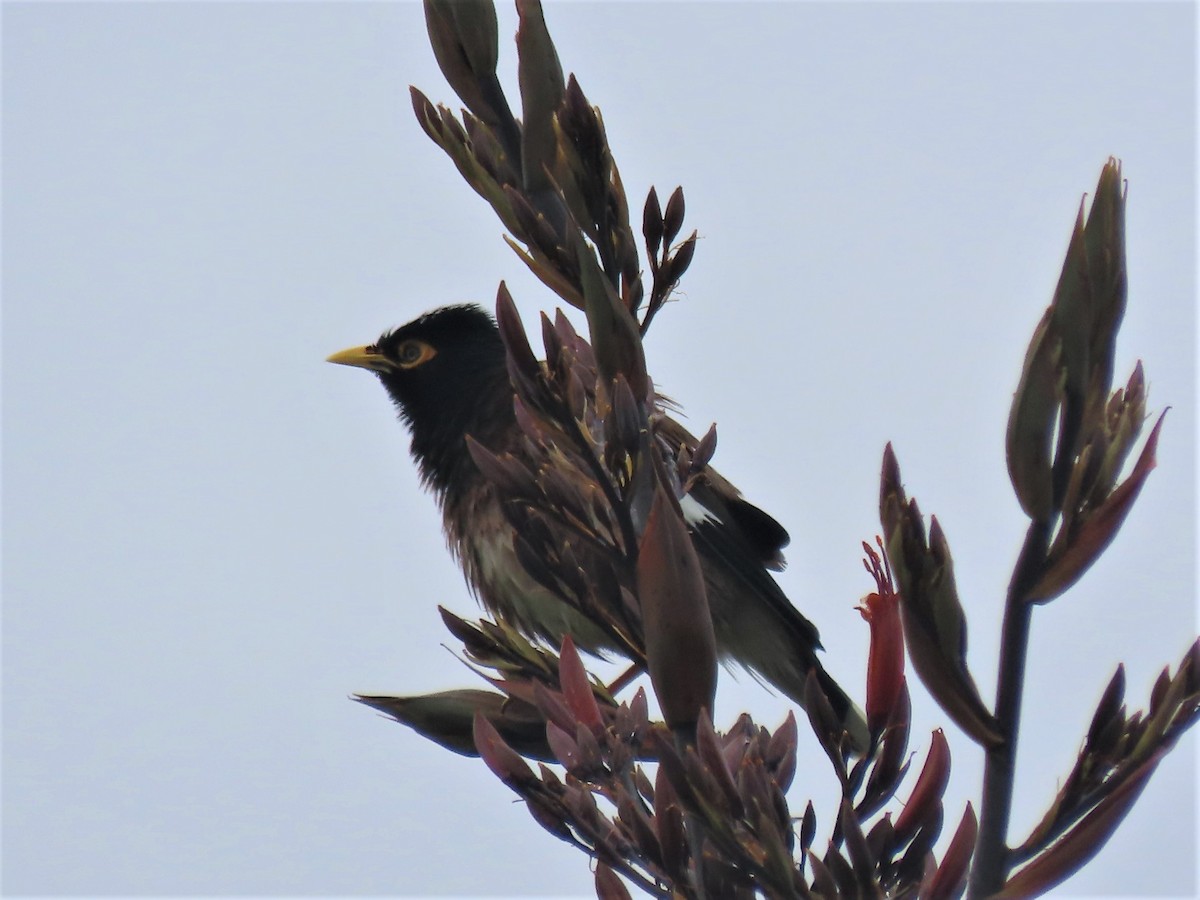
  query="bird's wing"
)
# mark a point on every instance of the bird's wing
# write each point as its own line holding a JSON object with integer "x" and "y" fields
{"x": 761, "y": 537}
{"x": 741, "y": 540}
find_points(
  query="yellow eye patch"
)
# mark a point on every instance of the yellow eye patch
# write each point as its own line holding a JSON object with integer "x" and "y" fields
{"x": 413, "y": 353}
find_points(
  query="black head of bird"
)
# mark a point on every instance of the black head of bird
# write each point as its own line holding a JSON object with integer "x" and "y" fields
{"x": 447, "y": 375}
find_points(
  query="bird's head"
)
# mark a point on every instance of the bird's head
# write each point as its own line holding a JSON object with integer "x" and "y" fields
{"x": 446, "y": 375}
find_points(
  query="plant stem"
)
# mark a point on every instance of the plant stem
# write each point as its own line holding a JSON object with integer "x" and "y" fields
{"x": 693, "y": 825}
{"x": 992, "y": 855}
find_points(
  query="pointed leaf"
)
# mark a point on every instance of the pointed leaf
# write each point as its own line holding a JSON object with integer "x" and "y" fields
{"x": 541, "y": 79}
{"x": 1104, "y": 237}
{"x": 447, "y": 718}
{"x": 1109, "y": 707}
{"x": 1032, "y": 421}
{"x": 950, "y": 879}
{"x": 615, "y": 337}
{"x": 1075, "y": 848}
{"x": 512, "y": 332}
{"x": 1098, "y": 529}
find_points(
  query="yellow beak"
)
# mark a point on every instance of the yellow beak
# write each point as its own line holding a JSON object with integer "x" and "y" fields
{"x": 363, "y": 357}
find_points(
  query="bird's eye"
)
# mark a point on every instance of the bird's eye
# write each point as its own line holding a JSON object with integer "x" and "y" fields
{"x": 413, "y": 353}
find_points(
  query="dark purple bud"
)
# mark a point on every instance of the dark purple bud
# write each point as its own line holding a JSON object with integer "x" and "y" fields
{"x": 565, "y": 749}
{"x": 673, "y": 217}
{"x": 460, "y": 628}
{"x": 609, "y": 885}
{"x": 823, "y": 882}
{"x": 516, "y": 344}
{"x": 1158, "y": 693}
{"x": 918, "y": 862}
{"x": 671, "y": 767}
{"x": 843, "y": 874}
{"x": 708, "y": 748}
{"x": 652, "y": 226}
{"x": 627, "y": 417}
{"x": 548, "y": 817}
{"x": 881, "y": 839}
{"x": 808, "y": 827}
{"x": 680, "y": 647}
{"x": 950, "y": 879}
{"x": 427, "y": 115}
{"x": 552, "y": 342}
{"x": 927, "y": 794}
{"x": 566, "y": 331}
{"x": 532, "y": 226}
{"x": 639, "y": 825}
{"x": 734, "y": 748}
{"x": 1191, "y": 665}
{"x": 780, "y": 757}
{"x": 679, "y": 263}
{"x": 531, "y": 425}
{"x": 705, "y": 449}
{"x": 1110, "y": 707}
{"x": 642, "y": 783}
{"x": 553, "y": 707}
{"x": 861, "y": 859}
{"x": 668, "y": 821}
{"x": 591, "y": 759}
{"x": 577, "y": 687}
{"x": 499, "y": 757}
{"x": 576, "y": 397}
{"x": 639, "y": 706}
{"x": 582, "y": 806}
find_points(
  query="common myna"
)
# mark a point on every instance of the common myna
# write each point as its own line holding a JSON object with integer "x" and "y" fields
{"x": 447, "y": 376}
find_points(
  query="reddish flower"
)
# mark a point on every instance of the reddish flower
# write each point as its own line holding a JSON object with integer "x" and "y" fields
{"x": 885, "y": 663}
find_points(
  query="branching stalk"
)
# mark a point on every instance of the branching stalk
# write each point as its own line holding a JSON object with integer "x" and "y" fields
{"x": 992, "y": 856}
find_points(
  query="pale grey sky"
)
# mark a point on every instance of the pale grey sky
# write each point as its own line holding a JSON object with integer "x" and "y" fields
{"x": 212, "y": 537}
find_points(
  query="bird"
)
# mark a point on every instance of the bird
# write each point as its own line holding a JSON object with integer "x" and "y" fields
{"x": 447, "y": 377}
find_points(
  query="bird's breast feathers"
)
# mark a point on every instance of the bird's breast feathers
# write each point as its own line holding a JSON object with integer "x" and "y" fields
{"x": 500, "y": 582}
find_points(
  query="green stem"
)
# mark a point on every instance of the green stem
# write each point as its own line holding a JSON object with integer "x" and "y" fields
{"x": 992, "y": 855}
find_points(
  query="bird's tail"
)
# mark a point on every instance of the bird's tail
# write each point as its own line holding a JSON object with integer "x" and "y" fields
{"x": 853, "y": 719}
{"x": 784, "y": 657}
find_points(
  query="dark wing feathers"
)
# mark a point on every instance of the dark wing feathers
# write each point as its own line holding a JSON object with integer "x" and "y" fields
{"x": 742, "y": 552}
{"x": 764, "y": 534}
{"x": 763, "y": 538}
